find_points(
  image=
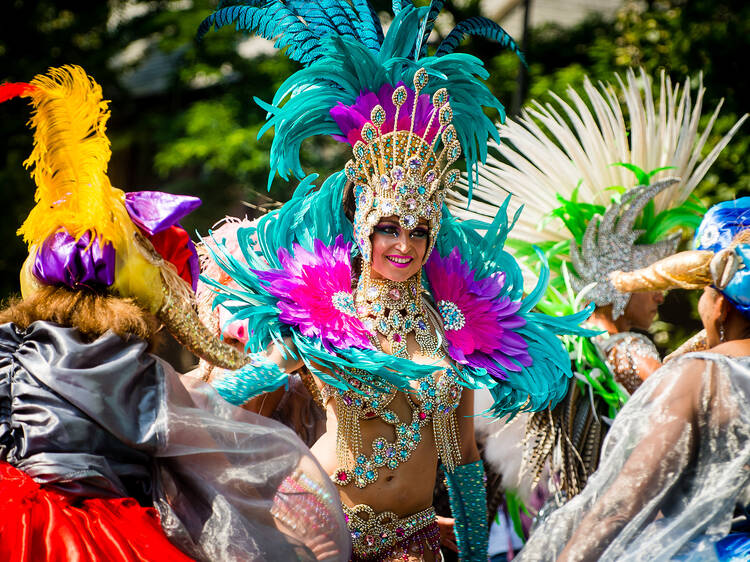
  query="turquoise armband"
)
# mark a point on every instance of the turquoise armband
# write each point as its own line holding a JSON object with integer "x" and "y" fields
{"x": 260, "y": 375}
{"x": 468, "y": 499}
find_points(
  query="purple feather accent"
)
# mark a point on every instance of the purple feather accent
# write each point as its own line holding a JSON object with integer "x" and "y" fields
{"x": 154, "y": 211}
{"x": 486, "y": 338}
{"x": 351, "y": 118}
{"x": 315, "y": 294}
{"x": 61, "y": 260}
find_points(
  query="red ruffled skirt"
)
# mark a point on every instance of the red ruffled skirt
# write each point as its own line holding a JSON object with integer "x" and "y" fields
{"x": 41, "y": 524}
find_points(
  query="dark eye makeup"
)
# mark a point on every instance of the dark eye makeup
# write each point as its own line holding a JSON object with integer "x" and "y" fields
{"x": 394, "y": 229}
{"x": 387, "y": 228}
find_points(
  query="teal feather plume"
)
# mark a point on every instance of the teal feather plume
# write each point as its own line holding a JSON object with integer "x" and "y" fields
{"x": 271, "y": 21}
{"x": 301, "y": 106}
{"x": 370, "y": 29}
{"x": 480, "y": 27}
{"x": 428, "y": 23}
{"x": 398, "y": 5}
{"x": 344, "y": 53}
{"x": 298, "y": 25}
{"x": 327, "y": 17}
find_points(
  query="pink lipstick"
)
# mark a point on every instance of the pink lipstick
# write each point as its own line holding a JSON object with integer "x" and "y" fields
{"x": 399, "y": 261}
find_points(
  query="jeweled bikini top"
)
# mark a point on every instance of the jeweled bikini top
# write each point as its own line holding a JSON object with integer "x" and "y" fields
{"x": 432, "y": 401}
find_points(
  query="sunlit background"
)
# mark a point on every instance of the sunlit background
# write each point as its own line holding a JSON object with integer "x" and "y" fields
{"x": 184, "y": 120}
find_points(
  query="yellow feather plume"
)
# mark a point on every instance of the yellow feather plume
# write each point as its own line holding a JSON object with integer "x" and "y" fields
{"x": 69, "y": 161}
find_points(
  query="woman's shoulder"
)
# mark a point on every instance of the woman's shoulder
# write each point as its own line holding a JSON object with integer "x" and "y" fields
{"x": 736, "y": 348}
{"x": 628, "y": 340}
{"x": 702, "y": 369}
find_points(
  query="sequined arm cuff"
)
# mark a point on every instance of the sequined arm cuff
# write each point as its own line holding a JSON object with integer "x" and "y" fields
{"x": 256, "y": 377}
{"x": 468, "y": 499}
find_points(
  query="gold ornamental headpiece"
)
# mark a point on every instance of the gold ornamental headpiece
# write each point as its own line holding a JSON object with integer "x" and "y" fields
{"x": 395, "y": 169}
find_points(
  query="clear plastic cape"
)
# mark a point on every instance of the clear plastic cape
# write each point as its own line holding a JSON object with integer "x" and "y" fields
{"x": 675, "y": 464}
{"x": 233, "y": 485}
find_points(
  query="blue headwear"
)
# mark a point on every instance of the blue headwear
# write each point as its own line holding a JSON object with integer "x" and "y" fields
{"x": 717, "y": 231}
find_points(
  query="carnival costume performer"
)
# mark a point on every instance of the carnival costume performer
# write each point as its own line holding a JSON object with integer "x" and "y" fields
{"x": 105, "y": 453}
{"x": 397, "y": 308}
{"x": 674, "y": 464}
{"x": 605, "y": 185}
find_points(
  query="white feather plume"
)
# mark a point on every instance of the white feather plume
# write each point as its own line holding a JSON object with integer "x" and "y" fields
{"x": 553, "y": 148}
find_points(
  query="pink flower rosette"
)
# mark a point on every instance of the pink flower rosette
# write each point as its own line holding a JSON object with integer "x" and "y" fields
{"x": 314, "y": 291}
{"x": 479, "y": 320}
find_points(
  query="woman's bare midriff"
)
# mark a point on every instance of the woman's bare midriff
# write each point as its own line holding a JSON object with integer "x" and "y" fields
{"x": 404, "y": 491}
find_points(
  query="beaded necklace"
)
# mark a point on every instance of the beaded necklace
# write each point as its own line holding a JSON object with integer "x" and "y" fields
{"x": 394, "y": 309}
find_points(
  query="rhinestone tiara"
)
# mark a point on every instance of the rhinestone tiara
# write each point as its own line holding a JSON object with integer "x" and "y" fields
{"x": 398, "y": 172}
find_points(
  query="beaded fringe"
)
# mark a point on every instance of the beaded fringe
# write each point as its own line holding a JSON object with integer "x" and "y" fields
{"x": 446, "y": 439}
{"x": 348, "y": 438}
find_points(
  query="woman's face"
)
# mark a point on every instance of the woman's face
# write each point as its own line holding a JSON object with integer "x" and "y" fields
{"x": 710, "y": 309}
{"x": 398, "y": 253}
{"x": 642, "y": 309}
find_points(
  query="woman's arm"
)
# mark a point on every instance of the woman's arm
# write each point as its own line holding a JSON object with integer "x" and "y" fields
{"x": 633, "y": 357}
{"x": 465, "y": 419}
{"x": 467, "y": 489}
{"x": 263, "y": 373}
{"x": 650, "y": 468}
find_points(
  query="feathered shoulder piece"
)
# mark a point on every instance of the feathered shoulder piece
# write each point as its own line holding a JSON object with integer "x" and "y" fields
{"x": 489, "y": 324}
{"x": 305, "y": 295}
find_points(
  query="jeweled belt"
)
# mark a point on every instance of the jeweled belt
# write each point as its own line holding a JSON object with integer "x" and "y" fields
{"x": 381, "y": 532}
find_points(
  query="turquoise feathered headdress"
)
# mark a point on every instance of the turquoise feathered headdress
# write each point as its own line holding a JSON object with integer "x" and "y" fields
{"x": 356, "y": 85}
{"x": 345, "y": 53}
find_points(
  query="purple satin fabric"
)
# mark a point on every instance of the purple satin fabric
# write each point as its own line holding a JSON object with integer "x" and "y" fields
{"x": 62, "y": 260}
{"x": 154, "y": 211}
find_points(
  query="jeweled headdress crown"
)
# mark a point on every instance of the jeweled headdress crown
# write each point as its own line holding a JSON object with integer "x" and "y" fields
{"x": 395, "y": 169}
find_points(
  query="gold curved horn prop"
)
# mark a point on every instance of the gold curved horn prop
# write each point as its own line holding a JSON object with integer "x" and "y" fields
{"x": 182, "y": 321}
{"x": 684, "y": 270}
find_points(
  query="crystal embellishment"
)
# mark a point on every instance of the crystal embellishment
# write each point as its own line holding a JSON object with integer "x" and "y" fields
{"x": 453, "y": 318}
{"x": 344, "y": 302}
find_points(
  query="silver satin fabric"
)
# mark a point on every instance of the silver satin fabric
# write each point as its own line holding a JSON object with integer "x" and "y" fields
{"x": 674, "y": 465}
{"x": 105, "y": 418}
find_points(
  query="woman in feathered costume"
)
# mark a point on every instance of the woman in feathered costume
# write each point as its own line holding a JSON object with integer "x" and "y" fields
{"x": 605, "y": 180}
{"x": 674, "y": 478}
{"x": 397, "y": 309}
{"x": 105, "y": 453}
